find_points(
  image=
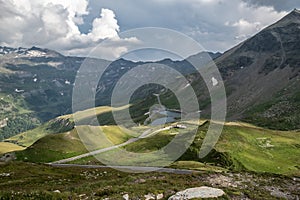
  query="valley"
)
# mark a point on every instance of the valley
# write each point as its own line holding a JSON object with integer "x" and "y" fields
{"x": 49, "y": 152}
{"x": 241, "y": 147}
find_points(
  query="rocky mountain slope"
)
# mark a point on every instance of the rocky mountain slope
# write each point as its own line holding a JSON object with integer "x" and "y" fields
{"x": 262, "y": 76}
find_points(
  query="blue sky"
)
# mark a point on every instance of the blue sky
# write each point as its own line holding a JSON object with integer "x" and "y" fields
{"x": 74, "y": 27}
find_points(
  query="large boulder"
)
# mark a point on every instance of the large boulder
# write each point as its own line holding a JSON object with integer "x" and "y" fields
{"x": 199, "y": 192}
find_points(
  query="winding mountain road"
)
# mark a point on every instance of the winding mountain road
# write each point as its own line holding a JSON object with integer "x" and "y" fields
{"x": 134, "y": 169}
{"x": 94, "y": 152}
{"x": 146, "y": 134}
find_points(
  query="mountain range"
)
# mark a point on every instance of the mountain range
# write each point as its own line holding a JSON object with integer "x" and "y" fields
{"x": 261, "y": 77}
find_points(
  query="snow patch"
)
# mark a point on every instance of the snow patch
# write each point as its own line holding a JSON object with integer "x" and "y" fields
{"x": 215, "y": 82}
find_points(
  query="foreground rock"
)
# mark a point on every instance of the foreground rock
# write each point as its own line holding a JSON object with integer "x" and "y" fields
{"x": 199, "y": 192}
{"x": 126, "y": 197}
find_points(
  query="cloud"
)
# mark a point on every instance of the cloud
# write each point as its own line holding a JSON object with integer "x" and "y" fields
{"x": 279, "y": 5}
{"x": 75, "y": 27}
{"x": 210, "y": 22}
{"x": 254, "y": 19}
{"x": 105, "y": 27}
{"x": 55, "y": 24}
{"x": 109, "y": 49}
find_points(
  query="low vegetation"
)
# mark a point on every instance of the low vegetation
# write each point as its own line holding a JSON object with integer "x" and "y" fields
{"x": 34, "y": 181}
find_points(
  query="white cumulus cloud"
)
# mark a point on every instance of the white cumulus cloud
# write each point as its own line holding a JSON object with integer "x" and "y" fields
{"x": 253, "y": 19}
{"x": 55, "y": 24}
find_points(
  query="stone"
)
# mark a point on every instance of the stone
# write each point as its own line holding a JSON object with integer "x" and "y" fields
{"x": 159, "y": 196}
{"x": 149, "y": 196}
{"x": 199, "y": 192}
{"x": 126, "y": 197}
{"x": 140, "y": 181}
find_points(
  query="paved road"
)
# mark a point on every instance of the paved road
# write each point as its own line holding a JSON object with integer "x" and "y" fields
{"x": 144, "y": 135}
{"x": 94, "y": 152}
{"x": 134, "y": 169}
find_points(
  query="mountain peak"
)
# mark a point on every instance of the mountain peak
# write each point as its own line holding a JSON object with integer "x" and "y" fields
{"x": 29, "y": 52}
{"x": 294, "y": 14}
{"x": 296, "y": 11}
{"x": 292, "y": 17}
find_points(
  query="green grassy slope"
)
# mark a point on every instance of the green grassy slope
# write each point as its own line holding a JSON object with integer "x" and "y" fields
{"x": 59, "y": 125}
{"x": 27, "y": 138}
{"x": 261, "y": 149}
{"x": 59, "y": 146}
{"x": 53, "y": 147}
{"x": 6, "y": 147}
{"x": 239, "y": 148}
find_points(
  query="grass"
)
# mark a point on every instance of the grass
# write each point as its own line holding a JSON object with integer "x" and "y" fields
{"x": 95, "y": 137}
{"x": 35, "y": 181}
{"x": 149, "y": 149}
{"x": 86, "y": 116}
{"x": 117, "y": 135}
{"x": 241, "y": 146}
{"x": 194, "y": 165}
{"x": 153, "y": 143}
{"x": 55, "y": 147}
{"x": 59, "y": 125}
{"x": 27, "y": 138}
{"x": 6, "y": 147}
{"x": 262, "y": 150}
{"x": 91, "y": 160}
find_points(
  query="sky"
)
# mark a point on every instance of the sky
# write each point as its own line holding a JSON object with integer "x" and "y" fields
{"x": 75, "y": 27}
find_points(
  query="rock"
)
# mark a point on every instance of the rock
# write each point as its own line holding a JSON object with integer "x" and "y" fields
{"x": 83, "y": 197}
{"x": 140, "y": 181}
{"x": 7, "y": 157}
{"x": 159, "y": 196}
{"x": 223, "y": 181}
{"x": 276, "y": 192}
{"x": 5, "y": 174}
{"x": 199, "y": 192}
{"x": 149, "y": 196}
{"x": 126, "y": 197}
